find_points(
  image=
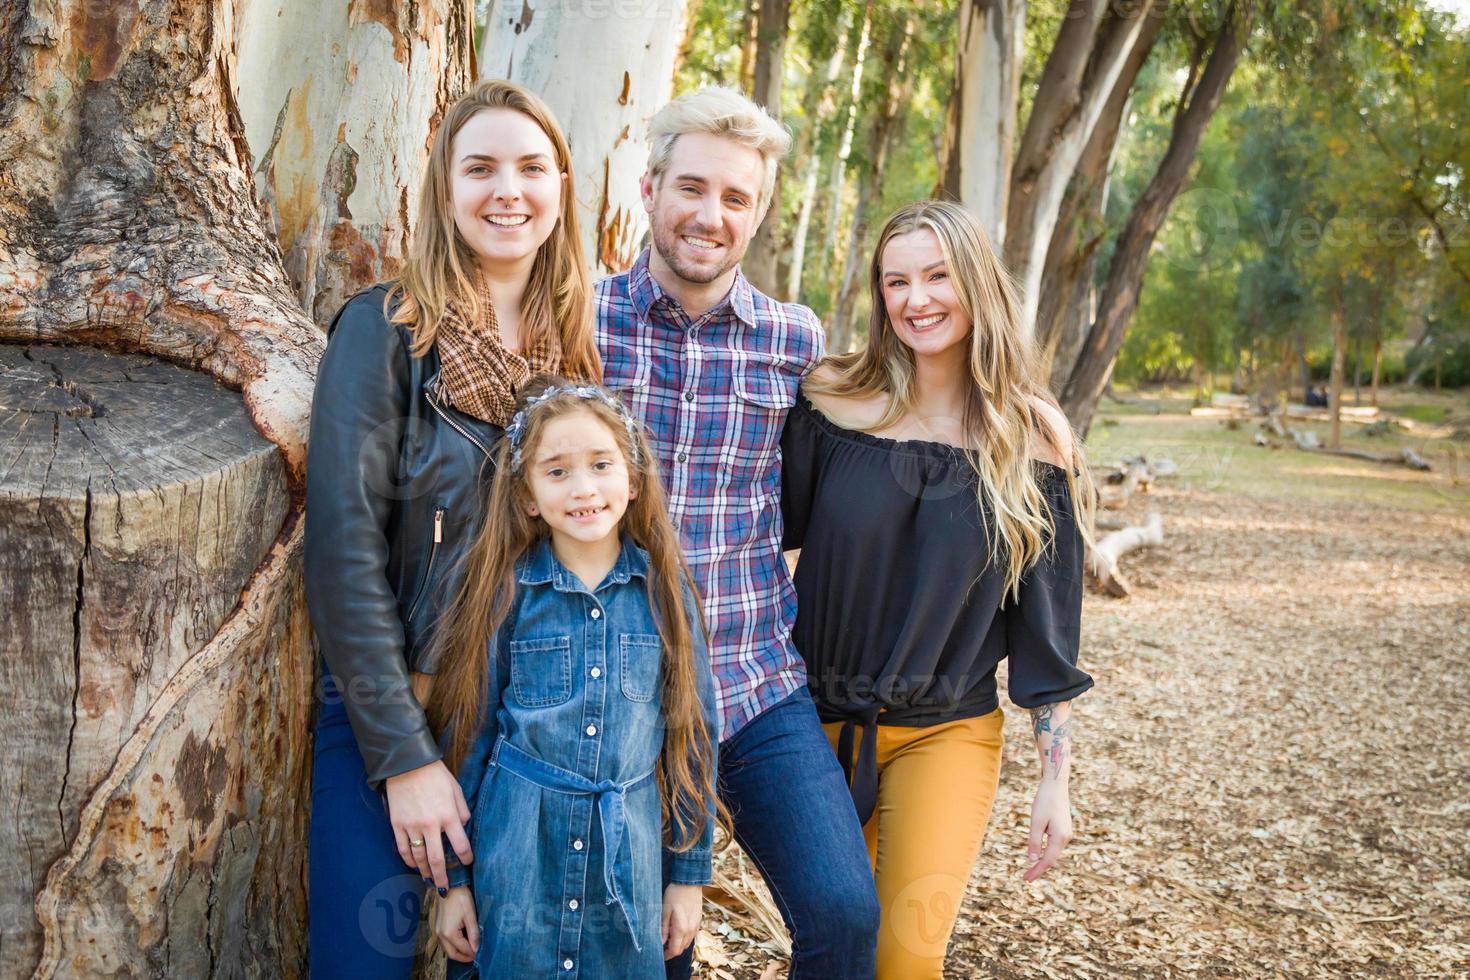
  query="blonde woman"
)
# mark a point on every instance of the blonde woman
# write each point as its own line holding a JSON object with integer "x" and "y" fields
{"x": 936, "y": 493}
{"x": 417, "y": 383}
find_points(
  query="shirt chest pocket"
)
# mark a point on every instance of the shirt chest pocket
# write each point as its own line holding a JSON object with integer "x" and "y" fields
{"x": 642, "y": 661}
{"x": 541, "y": 671}
{"x": 764, "y": 392}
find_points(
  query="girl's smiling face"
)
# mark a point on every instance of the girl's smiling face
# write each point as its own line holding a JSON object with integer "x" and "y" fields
{"x": 505, "y": 187}
{"x": 919, "y": 296}
{"x": 578, "y": 479}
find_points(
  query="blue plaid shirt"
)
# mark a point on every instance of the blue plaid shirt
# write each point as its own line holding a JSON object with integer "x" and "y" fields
{"x": 713, "y": 392}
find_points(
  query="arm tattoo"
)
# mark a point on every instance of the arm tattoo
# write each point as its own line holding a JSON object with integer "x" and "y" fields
{"x": 1053, "y": 740}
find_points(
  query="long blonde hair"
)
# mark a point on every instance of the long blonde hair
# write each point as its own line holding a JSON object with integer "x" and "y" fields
{"x": 440, "y": 265}
{"x": 685, "y": 770}
{"x": 1000, "y": 422}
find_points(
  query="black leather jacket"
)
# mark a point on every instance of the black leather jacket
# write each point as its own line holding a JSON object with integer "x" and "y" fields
{"x": 395, "y": 484}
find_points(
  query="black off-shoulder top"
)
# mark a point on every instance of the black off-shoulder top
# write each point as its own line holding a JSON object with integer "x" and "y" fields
{"x": 900, "y": 617}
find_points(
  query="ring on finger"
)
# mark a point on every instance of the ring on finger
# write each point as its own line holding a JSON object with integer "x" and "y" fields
{"x": 416, "y": 842}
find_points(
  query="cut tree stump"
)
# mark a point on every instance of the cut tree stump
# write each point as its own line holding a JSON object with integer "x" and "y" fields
{"x": 138, "y": 502}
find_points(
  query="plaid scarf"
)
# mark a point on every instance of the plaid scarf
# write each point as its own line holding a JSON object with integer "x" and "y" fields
{"x": 478, "y": 375}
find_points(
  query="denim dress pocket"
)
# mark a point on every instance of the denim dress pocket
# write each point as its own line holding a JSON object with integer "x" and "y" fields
{"x": 541, "y": 671}
{"x": 642, "y": 661}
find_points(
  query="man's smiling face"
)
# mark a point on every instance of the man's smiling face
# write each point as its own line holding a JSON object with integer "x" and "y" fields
{"x": 704, "y": 208}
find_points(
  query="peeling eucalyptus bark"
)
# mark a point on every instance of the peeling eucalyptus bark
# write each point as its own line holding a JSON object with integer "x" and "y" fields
{"x": 339, "y": 101}
{"x": 604, "y": 69}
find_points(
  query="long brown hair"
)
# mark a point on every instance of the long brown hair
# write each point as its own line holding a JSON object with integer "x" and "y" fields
{"x": 440, "y": 265}
{"x": 685, "y": 770}
{"x": 1000, "y": 421}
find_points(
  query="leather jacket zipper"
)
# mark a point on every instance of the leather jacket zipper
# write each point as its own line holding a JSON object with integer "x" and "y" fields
{"x": 433, "y": 553}
{"x": 456, "y": 426}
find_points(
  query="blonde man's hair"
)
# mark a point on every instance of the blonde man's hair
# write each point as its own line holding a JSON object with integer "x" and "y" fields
{"x": 719, "y": 111}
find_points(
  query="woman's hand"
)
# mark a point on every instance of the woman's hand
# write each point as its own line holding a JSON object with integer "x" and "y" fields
{"x": 683, "y": 906}
{"x": 456, "y": 926}
{"x": 1051, "y": 812}
{"x": 1051, "y": 826}
{"x": 422, "y": 804}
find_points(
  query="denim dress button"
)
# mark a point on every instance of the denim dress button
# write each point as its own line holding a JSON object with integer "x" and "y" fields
{"x": 597, "y": 614}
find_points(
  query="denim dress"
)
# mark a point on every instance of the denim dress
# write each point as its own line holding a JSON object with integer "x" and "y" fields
{"x": 565, "y": 819}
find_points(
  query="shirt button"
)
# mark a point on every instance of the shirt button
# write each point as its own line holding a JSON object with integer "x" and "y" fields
{"x": 597, "y": 614}
{"x": 577, "y": 845}
{"x": 572, "y": 905}
{"x": 596, "y": 672}
{"x": 691, "y": 334}
{"x": 683, "y": 457}
{"x": 567, "y": 964}
{"x": 689, "y": 396}
{"x": 591, "y": 729}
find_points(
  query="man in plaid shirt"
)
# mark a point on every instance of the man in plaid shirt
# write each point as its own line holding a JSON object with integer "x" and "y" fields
{"x": 711, "y": 367}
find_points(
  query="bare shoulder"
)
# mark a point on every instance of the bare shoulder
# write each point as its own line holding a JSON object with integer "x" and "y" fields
{"x": 1056, "y": 443}
{"x": 847, "y": 411}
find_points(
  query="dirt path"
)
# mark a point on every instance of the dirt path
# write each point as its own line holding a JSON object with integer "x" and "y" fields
{"x": 1273, "y": 769}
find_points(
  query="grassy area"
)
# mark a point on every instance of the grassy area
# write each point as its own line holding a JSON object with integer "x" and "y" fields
{"x": 1212, "y": 456}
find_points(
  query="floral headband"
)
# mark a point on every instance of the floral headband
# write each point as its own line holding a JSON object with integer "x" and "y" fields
{"x": 517, "y": 428}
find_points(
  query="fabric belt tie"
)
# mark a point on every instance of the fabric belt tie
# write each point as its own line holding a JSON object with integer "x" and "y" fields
{"x": 862, "y": 779}
{"x": 610, "y": 812}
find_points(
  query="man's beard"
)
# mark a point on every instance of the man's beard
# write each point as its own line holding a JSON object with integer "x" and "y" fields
{"x": 667, "y": 243}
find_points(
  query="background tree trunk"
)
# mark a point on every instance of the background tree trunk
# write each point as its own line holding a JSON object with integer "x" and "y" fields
{"x": 1119, "y": 296}
{"x": 772, "y": 23}
{"x": 1339, "y": 353}
{"x": 339, "y": 102}
{"x": 1067, "y": 294}
{"x": 980, "y": 131}
{"x": 818, "y": 109}
{"x": 837, "y": 179}
{"x": 1092, "y": 48}
{"x": 622, "y": 74}
{"x": 892, "y": 66}
{"x": 159, "y": 668}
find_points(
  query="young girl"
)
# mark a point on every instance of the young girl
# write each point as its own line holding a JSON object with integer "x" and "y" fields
{"x": 575, "y": 700}
{"x": 417, "y": 382}
{"x": 936, "y": 458}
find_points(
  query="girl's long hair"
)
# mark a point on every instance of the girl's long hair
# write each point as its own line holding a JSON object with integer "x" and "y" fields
{"x": 1000, "y": 422}
{"x": 685, "y": 770}
{"x": 440, "y": 264}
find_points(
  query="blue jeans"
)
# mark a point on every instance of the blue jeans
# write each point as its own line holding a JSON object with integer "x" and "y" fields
{"x": 795, "y": 819}
{"x": 364, "y": 902}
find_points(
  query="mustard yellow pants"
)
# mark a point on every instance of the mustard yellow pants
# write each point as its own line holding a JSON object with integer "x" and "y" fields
{"x": 936, "y": 786}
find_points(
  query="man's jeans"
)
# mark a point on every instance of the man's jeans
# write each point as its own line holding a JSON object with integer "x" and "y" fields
{"x": 795, "y": 819}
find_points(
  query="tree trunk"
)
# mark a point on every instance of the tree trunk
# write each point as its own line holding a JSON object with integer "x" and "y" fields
{"x": 158, "y": 670}
{"x": 1357, "y": 370}
{"x": 339, "y": 101}
{"x": 1339, "y": 353}
{"x": 1065, "y": 307}
{"x": 819, "y": 108}
{"x": 749, "y": 19}
{"x": 980, "y": 126}
{"x": 1377, "y": 366}
{"x": 623, "y": 74}
{"x": 1092, "y": 48}
{"x": 893, "y": 65}
{"x": 1130, "y": 256}
{"x": 837, "y": 180}
{"x": 770, "y": 61}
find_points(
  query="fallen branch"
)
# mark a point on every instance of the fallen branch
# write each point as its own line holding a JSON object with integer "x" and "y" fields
{"x": 1103, "y": 561}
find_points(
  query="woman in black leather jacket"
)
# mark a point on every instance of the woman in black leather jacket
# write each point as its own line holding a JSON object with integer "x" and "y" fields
{"x": 413, "y": 391}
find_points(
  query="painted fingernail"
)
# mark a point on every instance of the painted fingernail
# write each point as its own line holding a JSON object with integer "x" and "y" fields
{"x": 443, "y": 892}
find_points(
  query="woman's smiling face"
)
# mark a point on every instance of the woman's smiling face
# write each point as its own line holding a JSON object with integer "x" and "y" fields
{"x": 505, "y": 187}
{"x": 919, "y": 295}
